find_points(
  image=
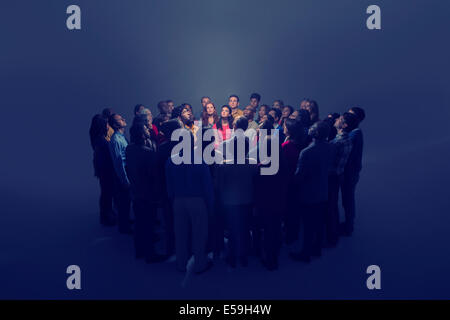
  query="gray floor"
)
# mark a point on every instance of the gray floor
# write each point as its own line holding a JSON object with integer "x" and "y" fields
{"x": 402, "y": 226}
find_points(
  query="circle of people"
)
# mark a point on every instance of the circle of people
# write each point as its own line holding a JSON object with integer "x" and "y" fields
{"x": 229, "y": 211}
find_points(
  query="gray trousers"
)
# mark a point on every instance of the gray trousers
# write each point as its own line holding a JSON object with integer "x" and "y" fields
{"x": 190, "y": 212}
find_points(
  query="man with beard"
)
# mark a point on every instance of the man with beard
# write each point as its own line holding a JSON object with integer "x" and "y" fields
{"x": 187, "y": 118}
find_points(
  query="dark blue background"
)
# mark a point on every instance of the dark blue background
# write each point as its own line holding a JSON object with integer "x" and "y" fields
{"x": 53, "y": 80}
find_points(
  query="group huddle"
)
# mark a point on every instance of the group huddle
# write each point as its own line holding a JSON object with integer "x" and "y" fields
{"x": 228, "y": 209}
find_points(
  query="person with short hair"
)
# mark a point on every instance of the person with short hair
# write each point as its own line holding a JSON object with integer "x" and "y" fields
{"x": 165, "y": 111}
{"x": 187, "y": 118}
{"x": 163, "y": 154}
{"x": 145, "y": 116}
{"x": 343, "y": 147}
{"x": 249, "y": 113}
{"x": 143, "y": 177}
{"x": 255, "y": 98}
{"x": 190, "y": 190}
{"x": 106, "y": 113}
{"x": 233, "y": 103}
{"x": 351, "y": 173}
{"x": 331, "y": 119}
{"x": 170, "y": 105}
{"x": 314, "y": 164}
{"x": 118, "y": 146}
{"x": 235, "y": 191}
{"x": 278, "y": 104}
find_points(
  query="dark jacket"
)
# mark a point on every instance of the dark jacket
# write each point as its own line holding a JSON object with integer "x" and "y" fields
{"x": 354, "y": 162}
{"x": 103, "y": 166}
{"x": 142, "y": 173}
{"x": 314, "y": 165}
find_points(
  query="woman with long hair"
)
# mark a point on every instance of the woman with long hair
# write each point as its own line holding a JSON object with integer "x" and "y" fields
{"x": 103, "y": 168}
{"x": 263, "y": 111}
{"x": 209, "y": 115}
{"x": 224, "y": 125}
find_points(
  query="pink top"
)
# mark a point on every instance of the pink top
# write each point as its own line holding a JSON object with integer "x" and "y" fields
{"x": 224, "y": 133}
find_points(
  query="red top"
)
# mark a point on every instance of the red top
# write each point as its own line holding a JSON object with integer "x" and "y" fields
{"x": 225, "y": 133}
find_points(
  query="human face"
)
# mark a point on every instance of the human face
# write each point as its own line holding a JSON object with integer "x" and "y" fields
{"x": 294, "y": 115}
{"x": 248, "y": 112}
{"x": 225, "y": 113}
{"x": 210, "y": 109}
{"x": 276, "y": 104}
{"x": 140, "y": 109}
{"x": 254, "y": 103}
{"x": 233, "y": 102}
{"x": 119, "y": 122}
{"x": 186, "y": 115}
{"x": 262, "y": 111}
{"x": 205, "y": 102}
{"x": 339, "y": 124}
{"x": 272, "y": 113}
{"x": 286, "y": 112}
{"x": 170, "y": 106}
{"x": 304, "y": 104}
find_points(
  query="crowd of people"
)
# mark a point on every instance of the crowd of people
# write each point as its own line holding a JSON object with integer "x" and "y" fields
{"x": 229, "y": 210}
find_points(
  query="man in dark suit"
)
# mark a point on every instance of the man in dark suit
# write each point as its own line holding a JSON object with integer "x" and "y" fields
{"x": 312, "y": 172}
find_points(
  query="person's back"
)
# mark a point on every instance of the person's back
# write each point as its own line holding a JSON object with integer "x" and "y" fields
{"x": 189, "y": 180}
{"x": 103, "y": 165}
{"x": 314, "y": 165}
{"x": 235, "y": 182}
{"x": 141, "y": 171}
{"x": 312, "y": 172}
{"x": 190, "y": 188}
